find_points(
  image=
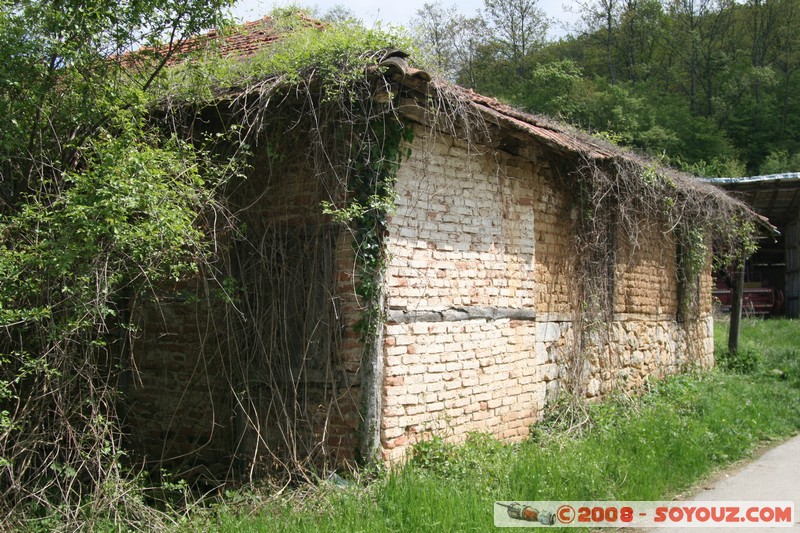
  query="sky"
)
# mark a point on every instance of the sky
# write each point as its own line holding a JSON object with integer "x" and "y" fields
{"x": 399, "y": 12}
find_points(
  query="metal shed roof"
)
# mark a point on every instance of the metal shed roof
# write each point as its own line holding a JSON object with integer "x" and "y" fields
{"x": 775, "y": 196}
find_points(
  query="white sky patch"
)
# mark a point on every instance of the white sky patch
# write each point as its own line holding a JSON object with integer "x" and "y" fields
{"x": 399, "y": 13}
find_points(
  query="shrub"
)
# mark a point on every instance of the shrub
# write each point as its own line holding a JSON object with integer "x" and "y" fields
{"x": 739, "y": 362}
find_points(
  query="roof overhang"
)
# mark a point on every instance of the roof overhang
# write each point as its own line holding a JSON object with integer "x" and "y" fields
{"x": 775, "y": 196}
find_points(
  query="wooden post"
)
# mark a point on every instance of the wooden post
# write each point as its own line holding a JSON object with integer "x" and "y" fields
{"x": 736, "y": 306}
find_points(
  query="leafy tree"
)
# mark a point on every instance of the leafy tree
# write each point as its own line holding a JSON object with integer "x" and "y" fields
{"x": 449, "y": 39}
{"x": 554, "y": 88}
{"x": 340, "y": 14}
{"x": 436, "y": 27}
{"x": 695, "y": 31}
{"x": 97, "y": 203}
{"x": 64, "y": 74}
{"x": 600, "y": 20}
{"x": 638, "y": 35}
{"x": 706, "y": 83}
{"x": 518, "y": 28}
{"x": 780, "y": 161}
{"x": 787, "y": 63}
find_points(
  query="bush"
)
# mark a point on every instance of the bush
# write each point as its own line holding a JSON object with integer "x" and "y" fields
{"x": 739, "y": 362}
{"x": 458, "y": 461}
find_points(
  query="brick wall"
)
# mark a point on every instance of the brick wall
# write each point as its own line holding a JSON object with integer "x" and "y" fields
{"x": 230, "y": 389}
{"x": 176, "y": 398}
{"x": 461, "y": 242}
{"x": 482, "y": 299}
{"x": 646, "y": 275}
{"x": 462, "y": 234}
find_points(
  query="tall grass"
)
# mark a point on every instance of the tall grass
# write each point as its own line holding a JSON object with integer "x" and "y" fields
{"x": 645, "y": 448}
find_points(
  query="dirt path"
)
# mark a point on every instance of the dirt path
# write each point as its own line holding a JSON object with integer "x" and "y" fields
{"x": 774, "y": 475}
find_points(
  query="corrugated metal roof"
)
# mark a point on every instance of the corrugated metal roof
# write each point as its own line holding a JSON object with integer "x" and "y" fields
{"x": 775, "y": 196}
{"x": 786, "y": 177}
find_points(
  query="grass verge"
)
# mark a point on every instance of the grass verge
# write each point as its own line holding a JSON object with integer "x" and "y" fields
{"x": 644, "y": 448}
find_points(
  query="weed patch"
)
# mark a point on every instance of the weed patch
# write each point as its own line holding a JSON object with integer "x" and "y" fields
{"x": 741, "y": 361}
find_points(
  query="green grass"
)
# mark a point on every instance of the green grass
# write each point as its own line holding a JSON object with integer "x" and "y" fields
{"x": 648, "y": 448}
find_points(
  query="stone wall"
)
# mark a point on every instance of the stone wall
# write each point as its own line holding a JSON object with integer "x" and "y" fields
{"x": 482, "y": 294}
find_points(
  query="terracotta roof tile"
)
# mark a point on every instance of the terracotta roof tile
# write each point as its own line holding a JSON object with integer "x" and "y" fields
{"x": 241, "y": 41}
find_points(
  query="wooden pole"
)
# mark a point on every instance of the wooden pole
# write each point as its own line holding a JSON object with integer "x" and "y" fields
{"x": 736, "y": 306}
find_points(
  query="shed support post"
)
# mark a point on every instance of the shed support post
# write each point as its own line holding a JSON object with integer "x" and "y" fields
{"x": 736, "y": 306}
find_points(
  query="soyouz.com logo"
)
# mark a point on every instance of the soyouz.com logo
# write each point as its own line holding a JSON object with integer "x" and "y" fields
{"x": 593, "y": 514}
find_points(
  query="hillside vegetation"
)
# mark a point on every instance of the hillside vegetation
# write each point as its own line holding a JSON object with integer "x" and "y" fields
{"x": 710, "y": 85}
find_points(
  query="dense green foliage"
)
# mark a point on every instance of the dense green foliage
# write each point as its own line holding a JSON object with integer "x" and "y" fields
{"x": 97, "y": 206}
{"x": 646, "y": 448}
{"x": 710, "y": 84}
{"x": 102, "y": 204}
{"x": 335, "y": 58}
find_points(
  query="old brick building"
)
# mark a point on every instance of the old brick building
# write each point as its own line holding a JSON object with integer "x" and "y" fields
{"x": 482, "y": 292}
{"x": 486, "y": 301}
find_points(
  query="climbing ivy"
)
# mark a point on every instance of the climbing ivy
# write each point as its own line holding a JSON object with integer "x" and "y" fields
{"x": 617, "y": 201}
{"x": 331, "y": 64}
{"x": 367, "y": 208}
